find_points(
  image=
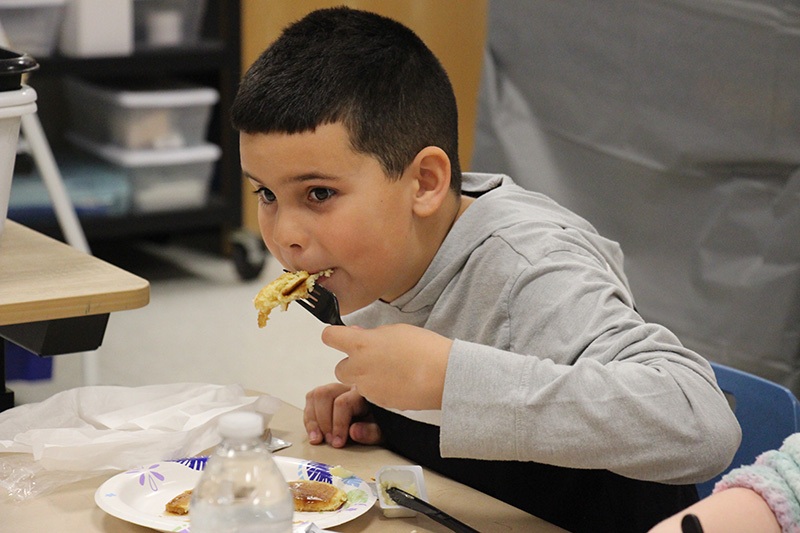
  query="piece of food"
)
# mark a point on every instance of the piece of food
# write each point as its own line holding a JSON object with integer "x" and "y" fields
{"x": 180, "y": 504}
{"x": 316, "y": 496}
{"x": 288, "y": 287}
{"x": 386, "y": 485}
{"x": 308, "y": 496}
{"x": 342, "y": 472}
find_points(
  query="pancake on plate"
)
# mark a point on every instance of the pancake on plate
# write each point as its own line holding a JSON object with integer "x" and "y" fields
{"x": 316, "y": 496}
{"x": 179, "y": 505}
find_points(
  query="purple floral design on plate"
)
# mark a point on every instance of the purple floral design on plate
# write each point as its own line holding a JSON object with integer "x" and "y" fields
{"x": 149, "y": 475}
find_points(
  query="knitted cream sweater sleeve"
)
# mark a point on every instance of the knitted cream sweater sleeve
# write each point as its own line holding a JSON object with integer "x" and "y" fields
{"x": 775, "y": 476}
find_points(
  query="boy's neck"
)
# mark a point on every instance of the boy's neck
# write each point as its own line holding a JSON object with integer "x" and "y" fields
{"x": 432, "y": 233}
{"x": 464, "y": 202}
{"x": 438, "y": 227}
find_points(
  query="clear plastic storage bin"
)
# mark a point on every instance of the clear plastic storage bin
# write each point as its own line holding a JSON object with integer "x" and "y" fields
{"x": 161, "y": 180}
{"x": 172, "y": 116}
{"x": 167, "y": 23}
{"x": 95, "y": 187}
{"x": 32, "y": 26}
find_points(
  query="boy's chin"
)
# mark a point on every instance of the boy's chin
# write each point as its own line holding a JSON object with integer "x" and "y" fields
{"x": 346, "y": 307}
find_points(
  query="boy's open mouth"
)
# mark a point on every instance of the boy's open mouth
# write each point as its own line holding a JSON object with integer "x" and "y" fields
{"x": 323, "y": 279}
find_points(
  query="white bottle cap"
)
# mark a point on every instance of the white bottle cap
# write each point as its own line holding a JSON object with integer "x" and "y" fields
{"x": 241, "y": 425}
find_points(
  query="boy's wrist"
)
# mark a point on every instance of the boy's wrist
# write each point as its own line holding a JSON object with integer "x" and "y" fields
{"x": 432, "y": 375}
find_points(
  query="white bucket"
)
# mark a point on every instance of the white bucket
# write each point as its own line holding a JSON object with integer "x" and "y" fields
{"x": 13, "y": 104}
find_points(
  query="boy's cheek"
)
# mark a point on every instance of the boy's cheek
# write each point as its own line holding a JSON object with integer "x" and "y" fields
{"x": 274, "y": 250}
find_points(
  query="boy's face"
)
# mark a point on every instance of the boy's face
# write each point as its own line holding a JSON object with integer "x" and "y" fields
{"x": 322, "y": 205}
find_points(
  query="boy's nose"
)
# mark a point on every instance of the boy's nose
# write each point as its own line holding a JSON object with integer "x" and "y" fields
{"x": 288, "y": 232}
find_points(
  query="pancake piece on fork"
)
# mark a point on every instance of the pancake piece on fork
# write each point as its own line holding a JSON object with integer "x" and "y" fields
{"x": 288, "y": 287}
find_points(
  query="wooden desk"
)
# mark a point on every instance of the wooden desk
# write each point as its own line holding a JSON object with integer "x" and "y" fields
{"x": 72, "y": 507}
{"x": 55, "y": 299}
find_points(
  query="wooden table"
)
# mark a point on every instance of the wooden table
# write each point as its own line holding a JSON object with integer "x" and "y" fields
{"x": 72, "y": 507}
{"x": 55, "y": 299}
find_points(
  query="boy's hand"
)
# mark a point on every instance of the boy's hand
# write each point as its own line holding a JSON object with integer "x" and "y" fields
{"x": 329, "y": 414}
{"x": 397, "y": 366}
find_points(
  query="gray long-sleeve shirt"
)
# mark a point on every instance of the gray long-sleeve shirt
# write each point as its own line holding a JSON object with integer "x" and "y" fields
{"x": 551, "y": 363}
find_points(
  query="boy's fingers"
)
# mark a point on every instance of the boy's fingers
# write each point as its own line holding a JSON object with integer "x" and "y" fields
{"x": 343, "y": 411}
{"x": 366, "y": 433}
{"x": 341, "y": 371}
{"x": 314, "y": 433}
{"x": 312, "y": 419}
{"x": 311, "y": 423}
{"x": 340, "y": 337}
{"x": 318, "y": 411}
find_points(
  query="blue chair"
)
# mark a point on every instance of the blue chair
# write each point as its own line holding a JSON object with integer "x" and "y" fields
{"x": 766, "y": 411}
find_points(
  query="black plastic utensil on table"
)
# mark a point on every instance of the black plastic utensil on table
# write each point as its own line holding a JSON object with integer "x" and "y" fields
{"x": 405, "y": 499}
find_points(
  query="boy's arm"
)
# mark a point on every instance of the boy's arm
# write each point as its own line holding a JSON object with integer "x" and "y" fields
{"x": 586, "y": 383}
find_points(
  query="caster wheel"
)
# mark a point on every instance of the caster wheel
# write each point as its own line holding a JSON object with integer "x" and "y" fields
{"x": 249, "y": 255}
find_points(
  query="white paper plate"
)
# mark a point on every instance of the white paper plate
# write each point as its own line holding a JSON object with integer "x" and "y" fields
{"x": 139, "y": 496}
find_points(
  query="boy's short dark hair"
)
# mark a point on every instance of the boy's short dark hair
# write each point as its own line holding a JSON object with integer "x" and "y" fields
{"x": 368, "y": 72}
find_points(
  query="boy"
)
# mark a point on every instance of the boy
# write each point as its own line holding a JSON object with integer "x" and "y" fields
{"x": 498, "y": 340}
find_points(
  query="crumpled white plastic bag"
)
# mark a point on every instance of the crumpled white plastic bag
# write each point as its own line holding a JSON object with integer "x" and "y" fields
{"x": 88, "y": 431}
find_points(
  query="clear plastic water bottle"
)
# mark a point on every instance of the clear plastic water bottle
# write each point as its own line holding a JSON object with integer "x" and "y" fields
{"x": 241, "y": 489}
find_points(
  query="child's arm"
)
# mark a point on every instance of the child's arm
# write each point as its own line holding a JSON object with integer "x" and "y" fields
{"x": 730, "y": 511}
{"x": 329, "y": 414}
{"x": 564, "y": 369}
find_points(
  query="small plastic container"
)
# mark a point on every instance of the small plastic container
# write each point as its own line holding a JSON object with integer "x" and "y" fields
{"x": 161, "y": 180}
{"x": 409, "y": 478}
{"x": 32, "y": 26}
{"x": 143, "y": 117}
{"x": 167, "y": 23}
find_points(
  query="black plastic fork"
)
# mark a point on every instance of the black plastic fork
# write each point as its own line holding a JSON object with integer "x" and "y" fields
{"x": 323, "y": 304}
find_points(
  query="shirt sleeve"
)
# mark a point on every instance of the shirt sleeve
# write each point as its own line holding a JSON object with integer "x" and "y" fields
{"x": 586, "y": 383}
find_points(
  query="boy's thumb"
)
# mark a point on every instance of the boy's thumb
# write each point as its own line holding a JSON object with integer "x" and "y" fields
{"x": 365, "y": 432}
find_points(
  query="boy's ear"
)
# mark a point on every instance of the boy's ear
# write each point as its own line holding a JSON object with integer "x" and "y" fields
{"x": 431, "y": 172}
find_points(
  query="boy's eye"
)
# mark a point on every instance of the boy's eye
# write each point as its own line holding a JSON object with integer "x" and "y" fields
{"x": 265, "y": 195}
{"x": 320, "y": 194}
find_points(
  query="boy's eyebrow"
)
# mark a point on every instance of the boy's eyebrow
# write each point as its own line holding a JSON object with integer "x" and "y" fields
{"x": 246, "y": 175}
{"x": 298, "y": 178}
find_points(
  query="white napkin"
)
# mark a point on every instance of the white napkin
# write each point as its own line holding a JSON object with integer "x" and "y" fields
{"x": 91, "y": 430}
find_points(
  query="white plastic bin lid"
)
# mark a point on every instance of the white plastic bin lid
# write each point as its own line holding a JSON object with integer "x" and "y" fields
{"x": 17, "y": 103}
{"x": 171, "y": 95}
{"x": 203, "y": 153}
{"x": 30, "y": 3}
